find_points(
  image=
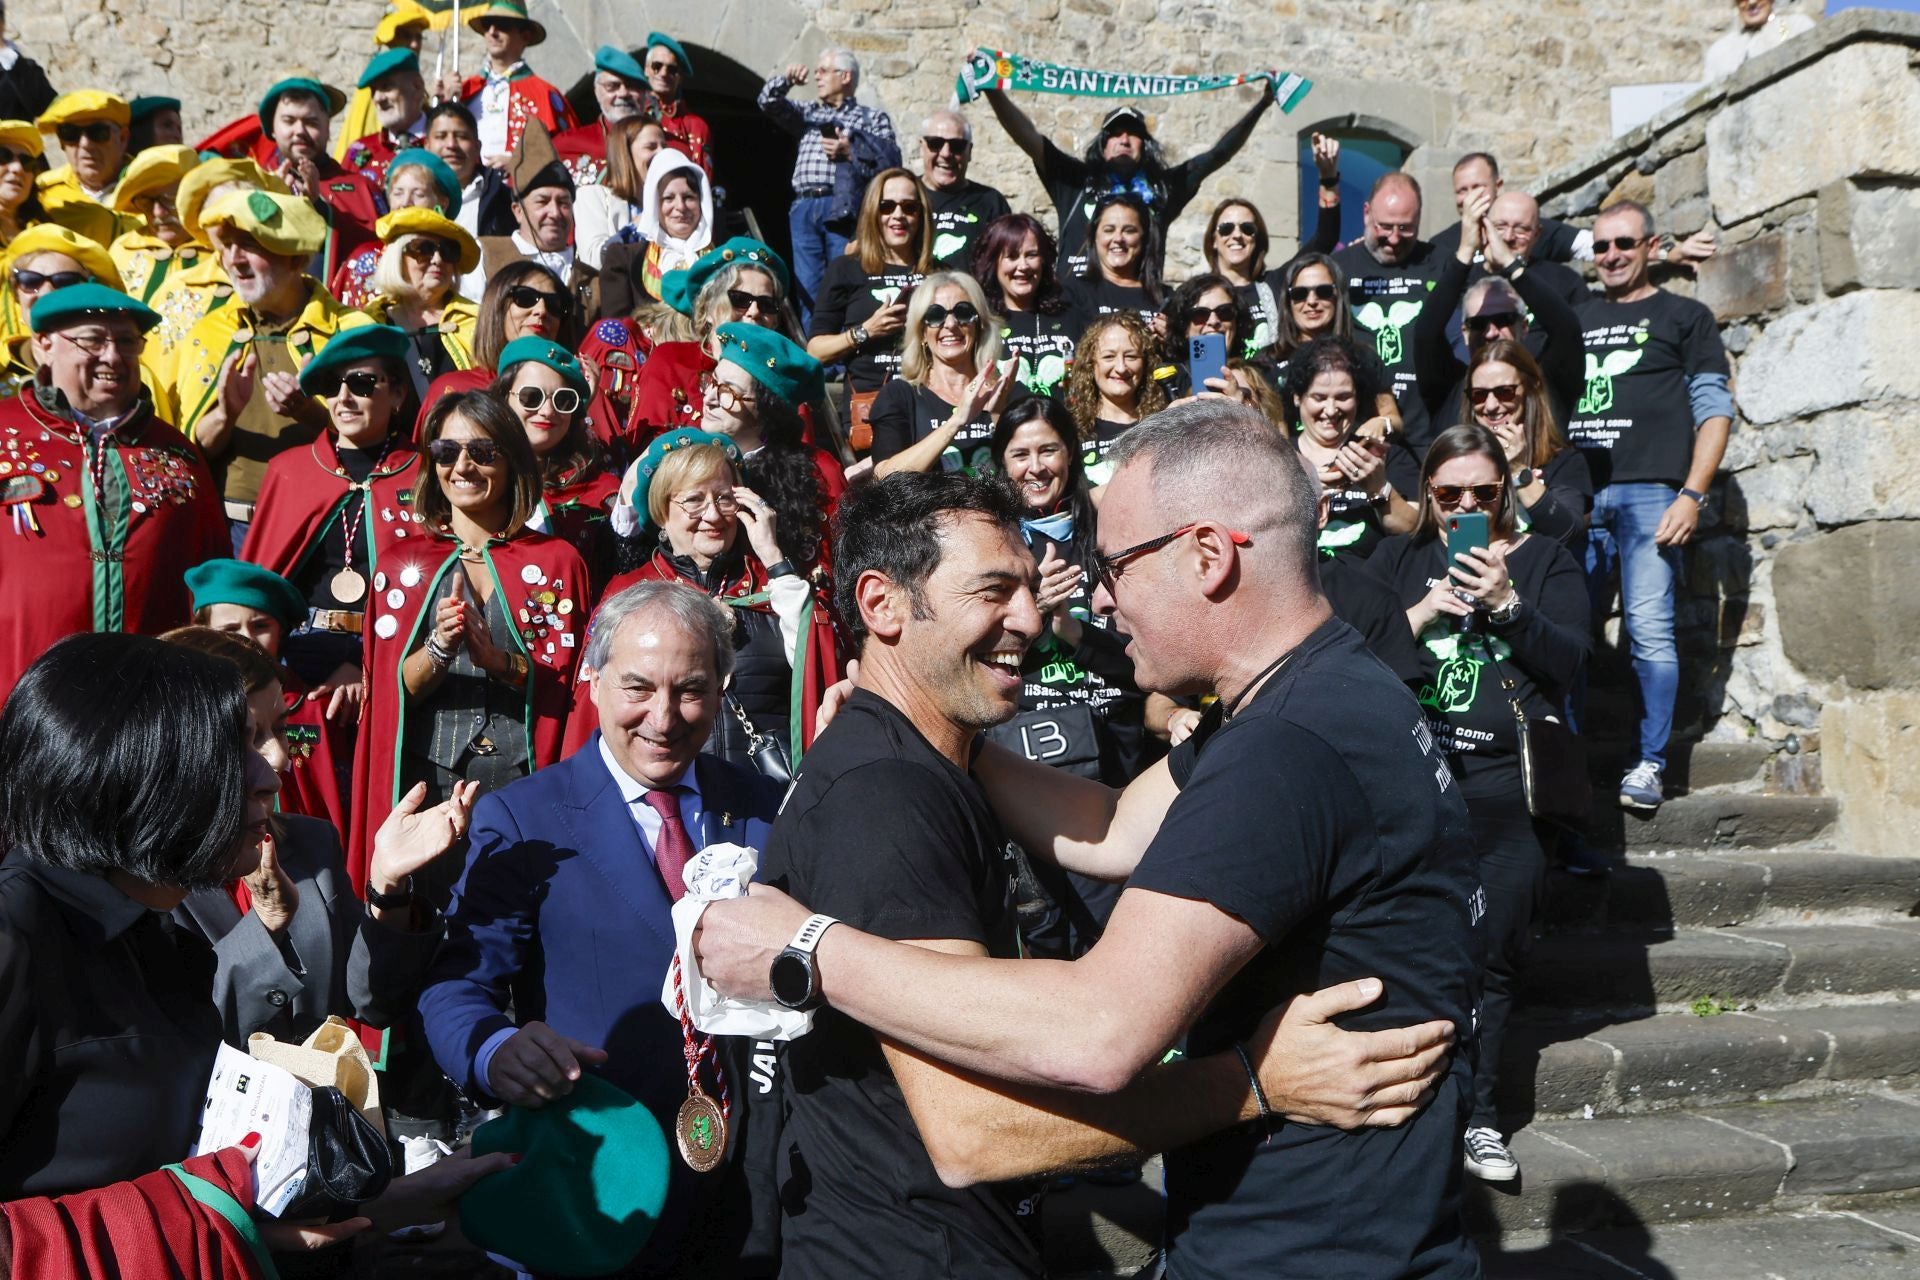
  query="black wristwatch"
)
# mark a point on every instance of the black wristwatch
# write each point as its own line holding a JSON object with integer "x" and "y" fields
{"x": 1524, "y": 477}
{"x": 781, "y": 569}
{"x": 792, "y": 978}
{"x": 397, "y": 901}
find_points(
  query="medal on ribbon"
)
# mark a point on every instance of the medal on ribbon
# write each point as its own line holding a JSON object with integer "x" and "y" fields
{"x": 700, "y": 1130}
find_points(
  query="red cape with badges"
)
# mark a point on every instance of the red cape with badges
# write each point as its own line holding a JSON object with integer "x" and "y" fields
{"x": 600, "y": 417}
{"x": 528, "y": 98}
{"x": 303, "y": 493}
{"x": 617, "y": 350}
{"x": 529, "y": 570}
{"x": 666, "y": 396}
{"x": 370, "y": 156}
{"x": 321, "y": 756}
{"x": 107, "y": 552}
{"x": 817, "y": 669}
{"x": 572, "y": 511}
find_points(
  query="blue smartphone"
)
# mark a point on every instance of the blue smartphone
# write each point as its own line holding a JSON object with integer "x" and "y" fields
{"x": 1206, "y": 358}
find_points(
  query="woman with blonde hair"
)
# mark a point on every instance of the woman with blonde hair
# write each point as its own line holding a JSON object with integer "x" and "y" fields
{"x": 416, "y": 287}
{"x": 940, "y": 410}
{"x": 1111, "y": 386}
{"x": 860, "y": 316}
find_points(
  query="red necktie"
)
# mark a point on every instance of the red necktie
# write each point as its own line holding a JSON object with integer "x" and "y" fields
{"x": 673, "y": 847}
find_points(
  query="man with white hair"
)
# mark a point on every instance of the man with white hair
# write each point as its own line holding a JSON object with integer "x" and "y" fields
{"x": 834, "y": 132}
{"x": 399, "y": 94}
{"x": 961, "y": 207}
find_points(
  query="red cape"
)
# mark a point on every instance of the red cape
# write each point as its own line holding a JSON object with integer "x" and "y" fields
{"x": 352, "y": 282}
{"x": 600, "y": 416}
{"x": 67, "y": 567}
{"x": 573, "y": 509}
{"x": 528, "y": 98}
{"x": 817, "y": 670}
{"x": 618, "y": 351}
{"x": 584, "y": 152}
{"x": 321, "y": 751}
{"x": 666, "y": 395}
{"x": 527, "y": 569}
{"x": 370, "y": 156}
{"x": 303, "y": 494}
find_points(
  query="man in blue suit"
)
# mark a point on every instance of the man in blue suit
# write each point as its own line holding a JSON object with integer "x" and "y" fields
{"x": 562, "y": 914}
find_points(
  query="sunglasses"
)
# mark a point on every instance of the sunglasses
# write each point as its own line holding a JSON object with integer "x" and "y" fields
{"x": 1449, "y": 495}
{"x": 960, "y": 312}
{"x": 956, "y": 145}
{"x": 743, "y": 302}
{"x": 425, "y": 249}
{"x": 1229, "y": 228}
{"x": 1493, "y": 320}
{"x": 361, "y": 382}
{"x": 526, "y": 297}
{"x": 1108, "y": 568}
{"x": 98, "y": 131}
{"x": 900, "y": 206}
{"x": 30, "y": 281}
{"x": 446, "y": 453}
{"x": 664, "y": 68}
{"x": 8, "y": 156}
{"x": 563, "y": 399}
{"x": 1200, "y": 315}
{"x": 1507, "y": 394}
{"x": 1624, "y": 244}
{"x": 1301, "y": 292}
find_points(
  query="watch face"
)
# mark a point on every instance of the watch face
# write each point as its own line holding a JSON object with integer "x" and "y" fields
{"x": 791, "y": 979}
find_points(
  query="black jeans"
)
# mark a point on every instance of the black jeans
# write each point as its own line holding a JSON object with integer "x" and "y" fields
{"x": 1512, "y": 871}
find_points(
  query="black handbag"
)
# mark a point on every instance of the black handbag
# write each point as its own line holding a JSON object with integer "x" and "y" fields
{"x": 1062, "y": 737}
{"x": 348, "y": 1162}
{"x": 768, "y": 753}
{"x": 1553, "y": 759}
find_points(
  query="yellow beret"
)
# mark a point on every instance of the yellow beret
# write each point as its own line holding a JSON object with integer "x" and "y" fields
{"x": 155, "y": 169}
{"x": 84, "y": 106}
{"x": 282, "y": 224}
{"x": 395, "y": 25}
{"x": 47, "y": 237}
{"x": 204, "y": 177}
{"x": 429, "y": 222}
{"x": 22, "y": 135}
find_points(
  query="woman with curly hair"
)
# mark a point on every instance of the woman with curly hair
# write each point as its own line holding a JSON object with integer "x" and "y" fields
{"x": 1013, "y": 261}
{"x": 1111, "y": 386}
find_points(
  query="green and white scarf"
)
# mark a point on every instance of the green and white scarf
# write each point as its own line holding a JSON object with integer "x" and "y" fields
{"x": 997, "y": 69}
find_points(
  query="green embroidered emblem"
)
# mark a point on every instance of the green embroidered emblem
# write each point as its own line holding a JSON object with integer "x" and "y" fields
{"x": 703, "y": 1132}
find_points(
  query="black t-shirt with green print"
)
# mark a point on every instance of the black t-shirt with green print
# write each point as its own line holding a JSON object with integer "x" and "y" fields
{"x": 960, "y": 214}
{"x": 1041, "y": 347}
{"x": 1634, "y": 422}
{"x": 1386, "y": 300}
{"x": 904, "y": 413}
{"x": 849, "y": 296}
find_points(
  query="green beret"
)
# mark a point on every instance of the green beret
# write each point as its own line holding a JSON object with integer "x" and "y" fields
{"x": 587, "y": 1192}
{"x": 386, "y": 61}
{"x": 77, "y": 302}
{"x": 437, "y": 169}
{"x": 681, "y": 289}
{"x": 336, "y": 101}
{"x": 773, "y": 360}
{"x": 672, "y": 46}
{"x": 150, "y": 105}
{"x": 535, "y": 350}
{"x": 237, "y": 582}
{"x": 681, "y": 438}
{"x": 618, "y": 62}
{"x": 321, "y": 376}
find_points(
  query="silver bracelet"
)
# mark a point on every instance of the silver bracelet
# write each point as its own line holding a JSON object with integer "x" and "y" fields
{"x": 437, "y": 655}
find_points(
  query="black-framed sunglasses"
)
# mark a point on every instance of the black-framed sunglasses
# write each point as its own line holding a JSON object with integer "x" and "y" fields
{"x": 96, "y": 131}
{"x": 1301, "y": 292}
{"x": 665, "y": 68}
{"x": 1507, "y": 394}
{"x": 361, "y": 383}
{"x": 446, "y": 453}
{"x": 901, "y": 206}
{"x": 526, "y": 297}
{"x": 958, "y": 146}
{"x": 29, "y": 281}
{"x": 1229, "y": 228}
{"x": 1492, "y": 320}
{"x": 563, "y": 399}
{"x": 742, "y": 301}
{"x": 8, "y": 156}
{"x": 1200, "y": 315}
{"x": 1449, "y": 495}
{"x": 960, "y": 312}
{"x": 1108, "y": 568}
{"x": 1625, "y": 244}
{"x": 426, "y": 249}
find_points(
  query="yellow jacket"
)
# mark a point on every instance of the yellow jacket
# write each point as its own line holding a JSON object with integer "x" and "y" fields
{"x": 146, "y": 261}
{"x": 457, "y": 323}
{"x": 68, "y": 204}
{"x": 217, "y": 334}
{"x": 181, "y": 300}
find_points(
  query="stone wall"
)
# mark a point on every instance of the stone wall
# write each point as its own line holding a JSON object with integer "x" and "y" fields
{"x": 1802, "y": 610}
{"x": 1526, "y": 79}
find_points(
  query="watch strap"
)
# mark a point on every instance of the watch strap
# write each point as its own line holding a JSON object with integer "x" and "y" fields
{"x": 1699, "y": 498}
{"x": 810, "y": 934}
{"x": 403, "y": 897}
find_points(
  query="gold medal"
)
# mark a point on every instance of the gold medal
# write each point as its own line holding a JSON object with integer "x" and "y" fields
{"x": 701, "y": 1132}
{"x": 348, "y": 586}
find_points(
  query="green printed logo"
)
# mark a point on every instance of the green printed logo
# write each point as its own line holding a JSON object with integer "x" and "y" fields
{"x": 1454, "y": 685}
{"x": 1388, "y": 325}
{"x": 703, "y": 1132}
{"x": 885, "y": 296}
{"x": 1262, "y": 339}
{"x": 1598, "y": 397}
{"x": 947, "y": 243}
{"x": 1041, "y": 380}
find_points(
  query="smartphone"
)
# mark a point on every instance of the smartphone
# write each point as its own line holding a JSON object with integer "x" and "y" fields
{"x": 1206, "y": 358}
{"x": 829, "y": 130}
{"x": 1465, "y": 531}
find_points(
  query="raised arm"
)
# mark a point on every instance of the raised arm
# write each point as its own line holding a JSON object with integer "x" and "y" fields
{"x": 1022, "y": 130}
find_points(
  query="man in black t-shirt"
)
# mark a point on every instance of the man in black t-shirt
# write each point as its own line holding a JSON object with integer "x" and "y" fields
{"x": 961, "y": 207}
{"x": 1652, "y": 423}
{"x": 1123, "y": 157}
{"x": 1389, "y": 274}
{"x": 1312, "y": 834}
{"x": 1478, "y": 172}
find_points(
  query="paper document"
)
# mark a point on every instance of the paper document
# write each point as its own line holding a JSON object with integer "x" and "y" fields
{"x": 246, "y": 1095}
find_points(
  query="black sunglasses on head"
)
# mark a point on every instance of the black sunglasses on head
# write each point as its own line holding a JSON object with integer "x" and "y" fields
{"x": 97, "y": 131}
{"x": 961, "y": 312}
{"x": 956, "y": 145}
{"x": 31, "y": 280}
{"x": 446, "y": 453}
{"x": 526, "y": 297}
{"x": 1244, "y": 228}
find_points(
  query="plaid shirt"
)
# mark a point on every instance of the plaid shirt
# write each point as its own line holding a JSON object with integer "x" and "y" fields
{"x": 812, "y": 169}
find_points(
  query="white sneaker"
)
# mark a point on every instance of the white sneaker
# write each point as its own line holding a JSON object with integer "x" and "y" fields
{"x": 1640, "y": 789}
{"x": 1488, "y": 1158}
{"x": 419, "y": 1151}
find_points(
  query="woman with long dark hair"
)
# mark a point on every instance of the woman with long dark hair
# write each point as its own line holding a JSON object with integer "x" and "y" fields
{"x": 1367, "y": 478}
{"x": 1123, "y": 272}
{"x": 1515, "y": 613}
{"x": 1506, "y": 392}
{"x": 1013, "y": 261}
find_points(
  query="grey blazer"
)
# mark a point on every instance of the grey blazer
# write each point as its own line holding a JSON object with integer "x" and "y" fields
{"x": 333, "y": 958}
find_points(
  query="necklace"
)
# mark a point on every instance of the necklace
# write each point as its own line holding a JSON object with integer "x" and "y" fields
{"x": 1272, "y": 668}
{"x": 349, "y": 586}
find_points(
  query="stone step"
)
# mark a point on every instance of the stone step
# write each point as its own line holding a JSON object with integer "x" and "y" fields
{"x": 1712, "y": 820}
{"x": 1691, "y": 766}
{"x": 1624, "y": 1171}
{"x": 1878, "y": 1242}
{"x": 1769, "y": 966}
{"x": 1709, "y": 890}
{"x": 1559, "y": 1069}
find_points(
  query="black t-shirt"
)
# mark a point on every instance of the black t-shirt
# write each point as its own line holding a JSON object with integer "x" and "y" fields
{"x": 1041, "y": 347}
{"x": 1093, "y": 453}
{"x": 1634, "y": 421}
{"x": 1367, "y": 605}
{"x": 1561, "y": 512}
{"x": 883, "y": 832}
{"x": 849, "y": 296}
{"x": 1098, "y": 296}
{"x": 1386, "y": 301}
{"x": 960, "y": 214}
{"x": 904, "y": 413}
{"x": 1353, "y": 527}
{"x": 1540, "y": 651}
{"x": 1323, "y": 815}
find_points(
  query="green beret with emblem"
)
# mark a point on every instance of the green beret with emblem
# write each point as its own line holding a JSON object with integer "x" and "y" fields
{"x": 681, "y": 289}
{"x": 773, "y": 360}
{"x": 348, "y": 347}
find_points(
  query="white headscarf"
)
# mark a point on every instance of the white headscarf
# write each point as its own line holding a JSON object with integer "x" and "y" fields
{"x": 675, "y": 253}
